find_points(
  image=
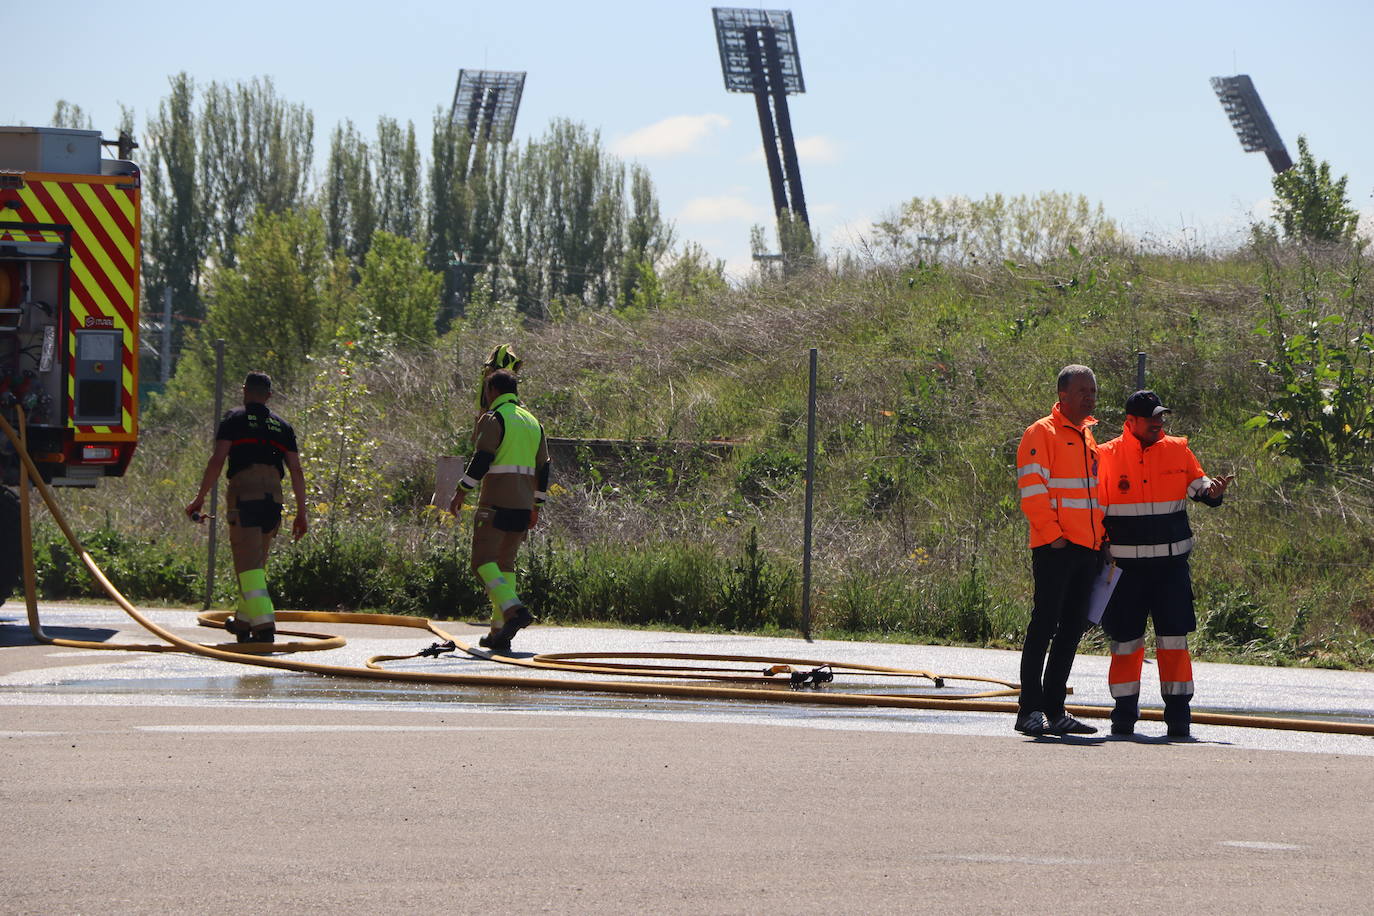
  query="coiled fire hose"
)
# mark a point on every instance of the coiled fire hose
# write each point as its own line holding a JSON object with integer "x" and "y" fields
{"x": 586, "y": 663}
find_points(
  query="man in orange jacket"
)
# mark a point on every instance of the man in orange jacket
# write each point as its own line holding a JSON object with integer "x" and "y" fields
{"x": 1056, "y": 472}
{"x": 1147, "y": 480}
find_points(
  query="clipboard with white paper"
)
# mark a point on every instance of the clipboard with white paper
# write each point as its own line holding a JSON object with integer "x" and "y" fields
{"x": 1103, "y": 586}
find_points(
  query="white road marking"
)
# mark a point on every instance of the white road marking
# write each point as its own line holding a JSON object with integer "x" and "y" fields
{"x": 1014, "y": 860}
{"x": 1257, "y": 844}
{"x": 298, "y": 729}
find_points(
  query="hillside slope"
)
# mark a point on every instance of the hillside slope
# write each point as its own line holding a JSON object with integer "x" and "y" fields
{"x": 928, "y": 375}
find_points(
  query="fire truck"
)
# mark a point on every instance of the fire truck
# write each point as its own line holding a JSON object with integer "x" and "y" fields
{"x": 69, "y": 313}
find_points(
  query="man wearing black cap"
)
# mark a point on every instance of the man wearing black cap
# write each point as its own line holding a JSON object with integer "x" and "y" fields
{"x": 1147, "y": 479}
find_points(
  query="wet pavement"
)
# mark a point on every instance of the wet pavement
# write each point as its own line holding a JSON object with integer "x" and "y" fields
{"x": 36, "y": 675}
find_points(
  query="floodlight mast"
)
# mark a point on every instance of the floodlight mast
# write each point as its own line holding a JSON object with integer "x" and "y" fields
{"x": 758, "y": 54}
{"x": 487, "y": 101}
{"x": 485, "y": 104}
{"x": 1250, "y": 119}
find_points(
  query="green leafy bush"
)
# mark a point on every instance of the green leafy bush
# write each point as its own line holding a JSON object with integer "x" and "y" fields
{"x": 765, "y": 474}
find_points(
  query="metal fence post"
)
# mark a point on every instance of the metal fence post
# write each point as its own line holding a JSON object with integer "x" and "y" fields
{"x": 214, "y": 491}
{"x": 810, "y": 496}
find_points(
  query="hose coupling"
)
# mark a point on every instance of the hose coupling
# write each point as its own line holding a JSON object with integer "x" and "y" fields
{"x": 814, "y": 678}
{"x": 437, "y": 649}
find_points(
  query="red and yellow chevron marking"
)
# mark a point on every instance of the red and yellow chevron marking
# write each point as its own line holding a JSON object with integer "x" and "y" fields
{"x": 103, "y": 213}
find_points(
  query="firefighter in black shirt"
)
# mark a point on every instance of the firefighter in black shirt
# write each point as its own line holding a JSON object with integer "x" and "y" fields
{"x": 260, "y": 447}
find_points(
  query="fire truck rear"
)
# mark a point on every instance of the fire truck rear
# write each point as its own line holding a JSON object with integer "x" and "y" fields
{"x": 69, "y": 312}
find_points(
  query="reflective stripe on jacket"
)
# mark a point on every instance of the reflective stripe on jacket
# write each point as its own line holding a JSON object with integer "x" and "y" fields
{"x": 1056, "y": 472}
{"x": 521, "y": 435}
{"x": 1145, "y": 492}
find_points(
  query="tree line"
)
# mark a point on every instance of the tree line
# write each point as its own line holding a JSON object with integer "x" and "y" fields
{"x": 389, "y": 240}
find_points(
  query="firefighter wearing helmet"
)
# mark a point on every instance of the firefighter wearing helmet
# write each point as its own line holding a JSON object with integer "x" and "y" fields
{"x": 510, "y": 465}
{"x": 502, "y": 356}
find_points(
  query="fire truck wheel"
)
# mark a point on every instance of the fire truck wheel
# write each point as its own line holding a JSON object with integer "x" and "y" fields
{"x": 9, "y": 542}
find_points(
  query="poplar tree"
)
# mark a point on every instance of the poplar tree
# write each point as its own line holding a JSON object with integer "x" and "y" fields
{"x": 647, "y": 237}
{"x": 400, "y": 206}
{"x": 450, "y": 206}
{"x": 468, "y": 189}
{"x": 349, "y": 198}
{"x": 569, "y": 233}
{"x": 175, "y": 221}
{"x": 257, "y": 151}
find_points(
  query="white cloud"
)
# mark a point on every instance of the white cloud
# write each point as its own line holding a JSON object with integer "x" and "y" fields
{"x": 669, "y": 137}
{"x": 817, "y": 150}
{"x": 721, "y": 209}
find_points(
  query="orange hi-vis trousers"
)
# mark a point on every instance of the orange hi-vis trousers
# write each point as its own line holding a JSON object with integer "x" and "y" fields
{"x": 1175, "y": 667}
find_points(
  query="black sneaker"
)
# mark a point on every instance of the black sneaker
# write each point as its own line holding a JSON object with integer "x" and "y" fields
{"x": 520, "y": 619}
{"x": 1068, "y": 725}
{"x": 1032, "y": 723}
{"x": 497, "y": 645}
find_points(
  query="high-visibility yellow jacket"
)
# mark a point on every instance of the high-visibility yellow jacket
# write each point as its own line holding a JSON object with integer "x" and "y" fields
{"x": 1145, "y": 492}
{"x": 520, "y": 440}
{"x": 1056, "y": 471}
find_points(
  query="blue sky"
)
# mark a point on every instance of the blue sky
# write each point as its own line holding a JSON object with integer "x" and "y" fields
{"x": 1110, "y": 100}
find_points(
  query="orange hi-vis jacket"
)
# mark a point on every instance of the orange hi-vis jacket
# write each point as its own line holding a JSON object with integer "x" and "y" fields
{"x": 1146, "y": 492}
{"x": 1056, "y": 471}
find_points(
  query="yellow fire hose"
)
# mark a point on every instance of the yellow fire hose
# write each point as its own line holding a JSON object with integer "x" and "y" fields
{"x": 251, "y": 654}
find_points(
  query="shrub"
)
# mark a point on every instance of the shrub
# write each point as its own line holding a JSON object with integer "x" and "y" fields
{"x": 1235, "y": 619}
{"x": 764, "y": 475}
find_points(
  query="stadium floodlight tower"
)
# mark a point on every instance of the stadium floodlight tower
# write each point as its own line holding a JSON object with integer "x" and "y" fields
{"x": 486, "y": 103}
{"x": 1250, "y": 120}
{"x": 758, "y": 54}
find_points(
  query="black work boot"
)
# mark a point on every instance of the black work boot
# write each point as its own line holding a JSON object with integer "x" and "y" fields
{"x": 1178, "y": 716}
{"x": 519, "y": 618}
{"x": 1125, "y": 714}
{"x": 496, "y": 643}
{"x": 239, "y": 628}
{"x": 265, "y": 633}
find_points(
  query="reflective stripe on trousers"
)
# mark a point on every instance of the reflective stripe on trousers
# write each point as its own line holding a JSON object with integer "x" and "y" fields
{"x": 1128, "y": 658}
{"x": 1175, "y": 666}
{"x": 256, "y": 604}
{"x": 500, "y": 590}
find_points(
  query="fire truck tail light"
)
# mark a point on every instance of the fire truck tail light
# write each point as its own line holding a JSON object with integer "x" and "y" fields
{"x": 98, "y": 454}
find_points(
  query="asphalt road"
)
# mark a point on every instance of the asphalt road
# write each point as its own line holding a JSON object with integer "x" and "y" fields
{"x": 156, "y": 783}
